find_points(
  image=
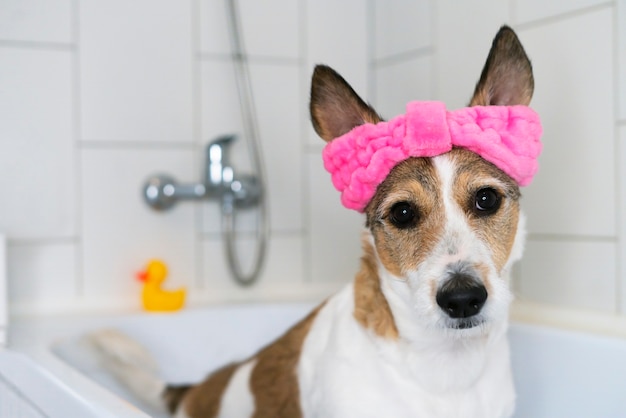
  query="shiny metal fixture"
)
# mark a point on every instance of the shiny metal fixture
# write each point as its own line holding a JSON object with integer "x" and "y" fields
{"x": 234, "y": 191}
{"x": 162, "y": 192}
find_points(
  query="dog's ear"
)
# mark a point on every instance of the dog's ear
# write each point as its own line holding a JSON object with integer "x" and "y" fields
{"x": 507, "y": 78}
{"x": 335, "y": 107}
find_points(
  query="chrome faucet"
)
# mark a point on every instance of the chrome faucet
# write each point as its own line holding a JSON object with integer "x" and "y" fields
{"x": 161, "y": 192}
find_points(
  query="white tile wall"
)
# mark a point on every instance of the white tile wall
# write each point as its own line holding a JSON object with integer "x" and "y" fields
{"x": 4, "y": 309}
{"x": 401, "y": 26}
{"x": 620, "y": 6}
{"x": 574, "y": 192}
{"x": 119, "y": 232}
{"x": 279, "y": 130}
{"x": 335, "y": 247}
{"x": 36, "y": 143}
{"x": 574, "y": 274}
{"x": 136, "y": 79}
{"x": 328, "y": 42}
{"x": 31, "y": 263}
{"x": 464, "y": 32}
{"x": 283, "y": 265}
{"x": 98, "y": 95}
{"x": 270, "y": 28}
{"x": 401, "y": 82}
{"x": 214, "y": 29}
{"x": 47, "y": 21}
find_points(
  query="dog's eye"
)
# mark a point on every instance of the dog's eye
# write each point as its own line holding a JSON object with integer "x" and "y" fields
{"x": 402, "y": 215}
{"x": 487, "y": 201}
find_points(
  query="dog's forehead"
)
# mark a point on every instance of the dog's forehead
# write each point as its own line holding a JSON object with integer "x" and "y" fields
{"x": 469, "y": 164}
{"x": 463, "y": 167}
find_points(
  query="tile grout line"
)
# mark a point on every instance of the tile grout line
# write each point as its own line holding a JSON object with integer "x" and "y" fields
{"x": 307, "y": 246}
{"x": 133, "y": 144}
{"x": 403, "y": 57}
{"x": 79, "y": 267}
{"x": 539, "y": 22}
{"x": 41, "y": 241}
{"x": 196, "y": 65}
{"x": 617, "y": 147}
{"x": 370, "y": 12}
{"x": 38, "y": 45}
{"x": 434, "y": 62}
{"x": 213, "y": 235}
{"x": 252, "y": 59}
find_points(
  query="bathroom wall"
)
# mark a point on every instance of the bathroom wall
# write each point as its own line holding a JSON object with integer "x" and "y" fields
{"x": 97, "y": 95}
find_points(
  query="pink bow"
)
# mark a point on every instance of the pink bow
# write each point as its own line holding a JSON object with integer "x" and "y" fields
{"x": 507, "y": 136}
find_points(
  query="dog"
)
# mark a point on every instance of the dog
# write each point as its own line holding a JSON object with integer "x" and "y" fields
{"x": 421, "y": 330}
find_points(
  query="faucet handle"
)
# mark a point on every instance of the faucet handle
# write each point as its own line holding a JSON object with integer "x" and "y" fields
{"x": 219, "y": 148}
{"x": 218, "y": 169}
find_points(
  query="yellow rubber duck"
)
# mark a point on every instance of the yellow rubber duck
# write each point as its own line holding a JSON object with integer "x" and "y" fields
{"x": 153, "y": 297}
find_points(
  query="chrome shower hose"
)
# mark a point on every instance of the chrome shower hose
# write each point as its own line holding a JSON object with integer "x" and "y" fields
{"x": 251, "y": 131}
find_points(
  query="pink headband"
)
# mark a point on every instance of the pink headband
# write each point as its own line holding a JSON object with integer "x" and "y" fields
{"x": 507, "y": 136}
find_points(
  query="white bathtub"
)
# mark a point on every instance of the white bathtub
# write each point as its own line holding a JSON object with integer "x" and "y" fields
{"x": 558, "y": 373}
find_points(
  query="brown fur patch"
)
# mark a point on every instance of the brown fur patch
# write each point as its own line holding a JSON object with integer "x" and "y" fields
{"x": 273, "y": 382}
{"x": 402, "y": 249}
{"x": 499, "y": 229}
{"x": 371, "y": 308}
{"x": 203, "y": 400}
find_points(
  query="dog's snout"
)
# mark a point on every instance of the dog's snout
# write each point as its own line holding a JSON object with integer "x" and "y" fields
{"x": 462, "y": 296}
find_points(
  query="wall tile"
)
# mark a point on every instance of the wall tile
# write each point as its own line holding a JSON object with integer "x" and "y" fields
{"x": 270, "y": 28}
{"x": 399, "y": 83}
{"x": 36, "y": 139}
{"x": 335, "y": 232}
{"x": 340, "y": 40}
{"x": 214, "y": 29}
{"x": 464, "y": 32}
{"x": 283, "y": 263}
{"x": 621, "y": 57}
{"x": 36, "y": 20}
{"x": 401, "y": 26}
{"x": 572, "y": 274}
{"x": 120, "y": 232}
{"x": 136, "y": 70}
{"x": 574, "y": 192}
{"x": 278, "y": 107}
{"x": 42, "y": 274}
{"x": 525, "y": 11}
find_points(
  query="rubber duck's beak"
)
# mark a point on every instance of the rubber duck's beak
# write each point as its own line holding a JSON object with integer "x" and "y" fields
{"x": 142, "y": 276}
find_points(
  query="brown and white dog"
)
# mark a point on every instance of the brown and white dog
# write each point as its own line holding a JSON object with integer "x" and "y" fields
{"x": 421, "y": 330}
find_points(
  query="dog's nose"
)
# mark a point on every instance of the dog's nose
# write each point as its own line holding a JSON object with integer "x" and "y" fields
{"x": 462, "y": 296}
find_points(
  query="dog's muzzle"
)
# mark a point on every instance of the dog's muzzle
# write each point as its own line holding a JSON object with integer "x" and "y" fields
{"x": 461, "y": 297}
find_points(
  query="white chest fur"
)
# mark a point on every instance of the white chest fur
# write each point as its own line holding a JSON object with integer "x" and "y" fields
{"x": 346, "y": 371}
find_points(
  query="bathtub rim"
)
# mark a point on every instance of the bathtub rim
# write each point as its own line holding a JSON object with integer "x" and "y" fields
{"x": 40, "y": 333}
{"x": 560, "y": 318}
